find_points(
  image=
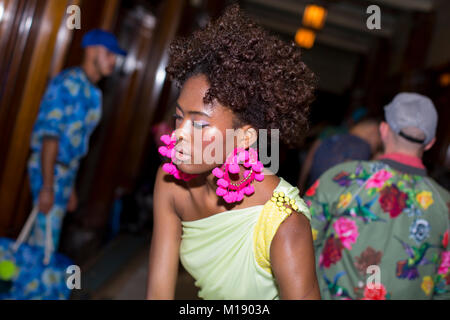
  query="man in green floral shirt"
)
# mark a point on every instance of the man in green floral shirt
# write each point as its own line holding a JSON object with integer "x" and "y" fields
{"x": 381, "y": 228}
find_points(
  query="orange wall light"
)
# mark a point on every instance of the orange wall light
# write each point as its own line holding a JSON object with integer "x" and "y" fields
{"x": 444, "y": 80}
{"x": 305, "y": 38}
{"x": 314, "y": 16}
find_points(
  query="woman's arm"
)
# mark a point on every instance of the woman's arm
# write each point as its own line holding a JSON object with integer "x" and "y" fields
{"x": 292, "y": 259}
{"x": 166, "y": 237}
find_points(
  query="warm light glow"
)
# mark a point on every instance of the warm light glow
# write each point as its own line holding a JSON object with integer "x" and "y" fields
{"x": 444, "y": 80}
{"x": 305, "y": 38}
{"x": 314, "y": 16}
{"x": 2, "y": 11}
{"x": 160, "y": 75}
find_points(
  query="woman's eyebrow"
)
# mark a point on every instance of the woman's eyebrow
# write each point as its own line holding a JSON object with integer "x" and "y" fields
{"x": 200, "y": 113}
{"x": 179, "y": 107}
{"x": 192, "y": 112}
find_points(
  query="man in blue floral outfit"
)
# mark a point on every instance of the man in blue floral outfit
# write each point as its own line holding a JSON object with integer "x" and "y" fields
{"x": 69, "y": 112}
{"x": 380, "y": 228}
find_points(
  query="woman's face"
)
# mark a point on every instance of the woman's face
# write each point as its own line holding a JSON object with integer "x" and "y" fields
{"x": 201, "y": 130}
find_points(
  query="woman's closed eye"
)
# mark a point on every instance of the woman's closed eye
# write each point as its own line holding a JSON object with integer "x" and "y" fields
{"x": 177, "y": 118}
{"x": 196, "y": 124}
{"x": 200, "y": 124}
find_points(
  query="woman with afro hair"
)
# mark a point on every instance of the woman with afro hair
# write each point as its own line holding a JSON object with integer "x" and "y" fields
{"x": 239, "y": 230}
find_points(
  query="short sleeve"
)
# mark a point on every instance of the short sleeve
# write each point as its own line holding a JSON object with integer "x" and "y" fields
{"x": 51, "y": 113}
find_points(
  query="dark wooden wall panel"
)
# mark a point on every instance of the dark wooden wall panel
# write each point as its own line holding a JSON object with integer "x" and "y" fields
{"x": 33, "y": 46}
{"x": 14, "y": 58}
{"x": 150, "y": 96}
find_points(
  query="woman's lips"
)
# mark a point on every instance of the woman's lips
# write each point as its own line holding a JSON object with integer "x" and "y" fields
{"x": 180, "y": 155}
{"x": 182, "y": 151}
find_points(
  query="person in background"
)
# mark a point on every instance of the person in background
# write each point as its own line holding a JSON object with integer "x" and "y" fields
{"x": 69, "y": 112}
{"x": 361, "y": 142}
{"x": 385, "y": 219}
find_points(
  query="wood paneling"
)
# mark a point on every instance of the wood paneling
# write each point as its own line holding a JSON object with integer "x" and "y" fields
{"x": 17, "y": 26}
{"x": 63, "y": 39}
{"x": 109, "y": 16}
{"x": 154, "y": 83}
{"x": 38, "y": 25}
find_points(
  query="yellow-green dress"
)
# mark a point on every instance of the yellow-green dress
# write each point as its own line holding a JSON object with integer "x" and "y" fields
{"x": 228, "y": 254}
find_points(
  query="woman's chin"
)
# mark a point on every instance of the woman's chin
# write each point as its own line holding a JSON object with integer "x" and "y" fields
{"x": 194, "y": 168}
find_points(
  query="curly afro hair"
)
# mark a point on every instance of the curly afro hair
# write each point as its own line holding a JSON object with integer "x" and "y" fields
{"x": 261, "y": 78}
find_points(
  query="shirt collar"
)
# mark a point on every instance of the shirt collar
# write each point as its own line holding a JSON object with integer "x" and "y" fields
{"x": 404, "y": 159}
{"x": 405, "y": 163}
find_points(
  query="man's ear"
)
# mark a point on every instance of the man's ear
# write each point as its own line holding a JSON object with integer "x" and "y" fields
{"x": 91, "y": 53}
{"x": 384, "y": 130}
{"x": 249, "y": 138}
{"x": 430, "y": 144}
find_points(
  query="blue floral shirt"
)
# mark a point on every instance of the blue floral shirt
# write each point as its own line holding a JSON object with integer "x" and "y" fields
{"x": 69, "y": 111}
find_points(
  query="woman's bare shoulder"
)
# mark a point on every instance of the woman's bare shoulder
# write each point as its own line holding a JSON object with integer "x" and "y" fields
{"x": 265, "y": 189}
{"x": 167, "y": 187}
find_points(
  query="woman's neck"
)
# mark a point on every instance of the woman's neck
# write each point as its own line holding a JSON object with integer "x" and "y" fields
{"x": 210, "y": 184}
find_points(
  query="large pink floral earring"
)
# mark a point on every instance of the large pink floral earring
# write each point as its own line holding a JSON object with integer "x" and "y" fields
{"x": 234, "y": 192}
{"x": 169, "y": 152}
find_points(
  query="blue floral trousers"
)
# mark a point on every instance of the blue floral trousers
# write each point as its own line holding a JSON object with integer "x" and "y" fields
{"x": 64, "y": 180}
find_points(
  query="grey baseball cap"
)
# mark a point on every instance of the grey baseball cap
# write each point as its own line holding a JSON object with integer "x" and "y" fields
{"x": 412, "y": 110}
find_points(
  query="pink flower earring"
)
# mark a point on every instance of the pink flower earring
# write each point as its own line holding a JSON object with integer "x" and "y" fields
{"x": 234, "y": 192}
{"x": 169, "y": 152}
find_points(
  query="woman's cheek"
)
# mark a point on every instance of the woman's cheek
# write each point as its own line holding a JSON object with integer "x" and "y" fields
{"x": 213, "y": 146}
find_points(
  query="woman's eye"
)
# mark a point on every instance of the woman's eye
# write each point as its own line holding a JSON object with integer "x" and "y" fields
{"x": 177, "y": 117}
{"x": 200, "y": 125}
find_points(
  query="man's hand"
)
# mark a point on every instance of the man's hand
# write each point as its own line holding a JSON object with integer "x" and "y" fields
{"x": 46, "y": 199}
{"x": 73, "y": 202}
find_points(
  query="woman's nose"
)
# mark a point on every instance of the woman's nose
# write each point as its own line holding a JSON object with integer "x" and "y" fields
{"x": 183, "y": 131}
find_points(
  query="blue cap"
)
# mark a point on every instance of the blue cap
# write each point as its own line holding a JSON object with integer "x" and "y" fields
{"x": 104, "y": 38}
